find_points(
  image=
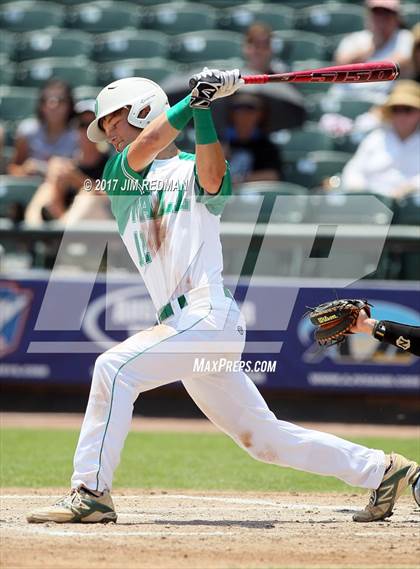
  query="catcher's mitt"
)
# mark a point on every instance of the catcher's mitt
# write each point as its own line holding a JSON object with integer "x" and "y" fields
{"x": 333, "y": 320}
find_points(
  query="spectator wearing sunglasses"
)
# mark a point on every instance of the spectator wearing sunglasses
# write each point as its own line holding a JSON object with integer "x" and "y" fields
{"x": 63, "y": 192}
{"x": 51, "y": 133}
{"x": 387, "y": 161}
{"x": 383, "y": 38}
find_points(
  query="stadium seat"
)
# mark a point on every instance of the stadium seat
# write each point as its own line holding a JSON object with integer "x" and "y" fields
{"x": 410, "y": 14}
{"x": 331, "y": 18}
{"x": 180, "y": 17}
{"x": 5, "y": 157}
{"x": 7, "y": 43}
{"x": 126, "y": 44}
{"x": 288, "y": 208}
{"x": 296, "y": 4}
{"x": 104, "y": 16}
{"x": 407, "y": 210}
{"x": 24, "y": 16}
{"x": 348, "y": 142}
{"x": 223, "y": 3}
{"x": 8, "y": 132}
{"x": 311, "y": 170}
{"x": 226, "y": 63}
{"x": 17, "y": 103}
{"x": 154, "y": 68}
{"x": 242, "y": 209}
{"x": 410, "y": 267}
{"x": 333, "y": 43}
{"x": 53, "y": 43}
{"x": 74, "y": 70}
{"x": 148, "y": 3}
{"x": 70, "y": 3}
{"x": 290, "y": 45}
{"x": 283, "y": 188}
{"x": 283, "y": 202}
{"x": 241, "y": 17}
{"x": 7, "y": 70}
{"x": 86, "y": 92}
{"x": 318, "y": 105}
{"x": 298, "y": 142}
{"x": 205, "y": 45}
{"x": 347, "y": 208}
{"x": 15, "y": 189}
{"x": 310, "y": 88}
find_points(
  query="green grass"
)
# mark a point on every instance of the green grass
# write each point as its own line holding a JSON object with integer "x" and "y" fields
{"x": 36, "y": 458}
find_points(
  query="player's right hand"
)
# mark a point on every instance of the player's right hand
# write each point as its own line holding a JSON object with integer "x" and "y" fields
{"x": 213, "y": 84}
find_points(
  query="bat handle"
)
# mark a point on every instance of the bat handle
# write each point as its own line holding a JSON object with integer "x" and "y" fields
{"x": 193, "y": 83}
{"x": 255, "y": 79}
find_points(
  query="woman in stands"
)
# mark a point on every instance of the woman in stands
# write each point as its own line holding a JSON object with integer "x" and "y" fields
{"x": 387, "y": 160}
{"x": 51, "y": 133}
{"x": 62, "y": 195}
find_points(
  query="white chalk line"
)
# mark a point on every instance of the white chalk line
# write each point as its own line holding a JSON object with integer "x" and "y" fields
{"x": 253, "y": 502}
{"x": 222, "y": 499}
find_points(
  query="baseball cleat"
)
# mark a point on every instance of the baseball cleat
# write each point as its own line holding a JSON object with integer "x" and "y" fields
{"x": 79, "y": 506}
{"x": 416, "y": 490}
{"x": 400, "y": 474}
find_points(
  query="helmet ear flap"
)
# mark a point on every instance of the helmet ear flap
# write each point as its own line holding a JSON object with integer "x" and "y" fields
{"x": 136, "y": 109}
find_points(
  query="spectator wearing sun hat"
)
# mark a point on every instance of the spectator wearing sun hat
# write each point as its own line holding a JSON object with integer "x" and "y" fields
{"x": 383, "y": 38}
{"x": 387, "y": 161}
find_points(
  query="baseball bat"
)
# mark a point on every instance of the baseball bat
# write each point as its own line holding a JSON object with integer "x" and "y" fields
{"x": 352, "y": 73}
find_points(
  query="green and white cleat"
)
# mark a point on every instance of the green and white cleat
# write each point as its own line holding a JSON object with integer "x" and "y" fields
{"x": 78, "y": 506}
{"x": 401, "y": 474}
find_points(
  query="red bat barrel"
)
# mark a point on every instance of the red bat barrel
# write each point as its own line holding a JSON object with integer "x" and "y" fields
{"x": 352, "y": 73}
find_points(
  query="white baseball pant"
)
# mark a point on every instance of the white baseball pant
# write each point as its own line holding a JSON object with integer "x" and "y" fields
{"x": 206, "y": 327}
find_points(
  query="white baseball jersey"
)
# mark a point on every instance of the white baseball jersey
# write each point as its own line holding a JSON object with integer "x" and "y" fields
{"x": 172, "y": 234}
{"x": 169, "y": 224}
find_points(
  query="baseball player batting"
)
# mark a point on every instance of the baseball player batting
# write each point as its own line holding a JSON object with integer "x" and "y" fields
{"x": 167, "y": 205}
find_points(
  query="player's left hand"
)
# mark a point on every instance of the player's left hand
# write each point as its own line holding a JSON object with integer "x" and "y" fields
{"x": 214, "y": 84}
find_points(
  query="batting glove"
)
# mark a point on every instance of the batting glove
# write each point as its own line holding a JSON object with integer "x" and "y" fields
{"x": 213, "y": 84}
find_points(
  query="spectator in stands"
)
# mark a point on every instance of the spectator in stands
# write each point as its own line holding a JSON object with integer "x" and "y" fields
{"x": 387, "y": 161}
{"x": 412, "y": 69}
{"x": 384, "y": 38}
{"x": 257, "y": 50}
{"x": 252, "y": 156}
{"x": 65, "y": 179}
{"x": 50, "y": 134}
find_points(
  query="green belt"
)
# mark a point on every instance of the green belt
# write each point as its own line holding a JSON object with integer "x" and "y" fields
{"x": 166, "y": 311}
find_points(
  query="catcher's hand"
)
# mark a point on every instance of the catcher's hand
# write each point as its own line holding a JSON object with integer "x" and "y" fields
{"x": 334, "y": 320}
{"x": 213, "y": 84}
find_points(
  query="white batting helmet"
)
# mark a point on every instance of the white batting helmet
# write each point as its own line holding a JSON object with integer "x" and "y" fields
{"x": 135, "y": 92}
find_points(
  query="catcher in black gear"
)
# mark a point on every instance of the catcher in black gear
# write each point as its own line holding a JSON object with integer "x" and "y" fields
{"x": 336, "y": 319}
